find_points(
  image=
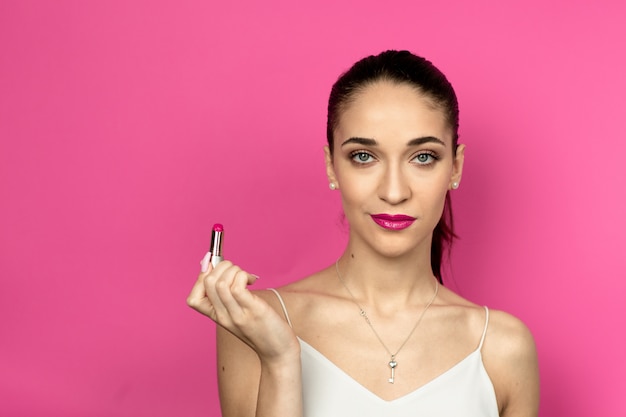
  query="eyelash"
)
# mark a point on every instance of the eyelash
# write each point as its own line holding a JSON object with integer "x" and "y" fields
{"x": 433, "y": 158}
{"x": 356, "y": 154}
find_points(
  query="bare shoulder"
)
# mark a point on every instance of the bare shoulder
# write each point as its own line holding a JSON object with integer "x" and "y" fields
{"x": 275, "y": 298}
{"x": 295, "y": 295}
{"x": 508, "y": 336}
{"x": 510, "y": 358}
{"x": 303, "y": 286}
{"x": 306, "y": 301}
{"x": 300, "y": 289}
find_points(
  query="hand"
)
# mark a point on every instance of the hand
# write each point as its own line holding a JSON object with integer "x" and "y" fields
{"x": 221, "y": 293}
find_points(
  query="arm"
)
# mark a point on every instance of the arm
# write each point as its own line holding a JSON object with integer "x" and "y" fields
{"x": 258, "y": 353}
{"x": 511, "y": 360}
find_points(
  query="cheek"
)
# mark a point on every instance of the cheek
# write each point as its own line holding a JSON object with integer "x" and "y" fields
{"x": 353, "y": 182}
{"x": 353, "y": 192}
{"x": 433, "y": 196}
{"x": 357, "y": 191}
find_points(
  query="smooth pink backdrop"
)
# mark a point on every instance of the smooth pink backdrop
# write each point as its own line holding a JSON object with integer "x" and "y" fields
{"x": 127, "y": 128}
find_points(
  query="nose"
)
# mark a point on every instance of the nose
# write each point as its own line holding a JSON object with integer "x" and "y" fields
{"x": 394, "y": 186}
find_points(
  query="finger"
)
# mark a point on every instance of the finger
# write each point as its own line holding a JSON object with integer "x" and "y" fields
{"x": 205, "y": 262}
{"x": 218, "y": 283}
{"x": 241, "y": 295}
{"x": 225, "y": 265}
{"x": 252, "y": 278}
{"x": 228, "y": 292}
{"x": 221, "y": 276}
{"x": 198, "y": 291}
{"x": 234, "y": 280}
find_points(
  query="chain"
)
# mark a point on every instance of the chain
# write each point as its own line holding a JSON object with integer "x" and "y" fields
{"x": 367, "y": 319}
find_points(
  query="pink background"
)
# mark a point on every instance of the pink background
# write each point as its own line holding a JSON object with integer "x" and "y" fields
{"x": 128, "y": 128}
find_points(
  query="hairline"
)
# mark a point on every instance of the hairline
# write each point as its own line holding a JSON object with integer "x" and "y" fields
{"x": 358, "y": 90}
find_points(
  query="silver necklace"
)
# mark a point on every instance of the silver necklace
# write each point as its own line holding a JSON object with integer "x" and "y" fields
{"x": 393, "y": 364}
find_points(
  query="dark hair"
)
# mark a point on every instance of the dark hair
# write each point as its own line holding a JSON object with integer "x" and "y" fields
{"x": 402, "y": 67}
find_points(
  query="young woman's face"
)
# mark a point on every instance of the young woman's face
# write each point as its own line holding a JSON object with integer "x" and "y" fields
{"x": 393, "y": 163}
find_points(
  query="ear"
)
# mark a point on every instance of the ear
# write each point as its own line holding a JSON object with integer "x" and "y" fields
{"x": 330, "y": 169}
{"x": 457, "y": 166}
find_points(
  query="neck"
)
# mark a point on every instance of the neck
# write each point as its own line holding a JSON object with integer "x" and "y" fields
{"x": 375, "y": 279}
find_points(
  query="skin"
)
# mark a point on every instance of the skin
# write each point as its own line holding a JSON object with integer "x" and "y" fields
{"x": 393, "y": 154}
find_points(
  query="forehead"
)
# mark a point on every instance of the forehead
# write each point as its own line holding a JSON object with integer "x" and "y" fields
{"x": 390, "y": 110}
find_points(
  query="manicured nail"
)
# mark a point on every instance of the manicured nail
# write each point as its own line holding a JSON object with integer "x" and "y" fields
{"x": 204, "y": 263}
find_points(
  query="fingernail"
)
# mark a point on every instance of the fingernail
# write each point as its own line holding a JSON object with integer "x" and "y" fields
{"x": 204, "y": 263}
{"x": 256, "y": 276}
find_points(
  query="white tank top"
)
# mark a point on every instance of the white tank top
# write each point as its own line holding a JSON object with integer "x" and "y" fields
{"x": 464, "y": 390}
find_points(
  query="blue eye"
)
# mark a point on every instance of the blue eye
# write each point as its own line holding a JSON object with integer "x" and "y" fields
{"x": 361, "y": 157}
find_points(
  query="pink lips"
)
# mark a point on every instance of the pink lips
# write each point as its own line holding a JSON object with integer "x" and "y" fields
{"x": 393, "y": 221}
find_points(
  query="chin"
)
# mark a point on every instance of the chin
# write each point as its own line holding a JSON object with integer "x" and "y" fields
{"x": 396, "y": 246}
{"x": 394, "y": 249}
{"x": 392, "y": 244}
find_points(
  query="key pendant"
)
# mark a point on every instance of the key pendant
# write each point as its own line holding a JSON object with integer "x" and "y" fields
{"x": 392, "y": 365}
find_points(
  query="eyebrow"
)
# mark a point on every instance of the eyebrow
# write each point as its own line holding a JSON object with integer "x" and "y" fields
{"x": 412, "y": 142}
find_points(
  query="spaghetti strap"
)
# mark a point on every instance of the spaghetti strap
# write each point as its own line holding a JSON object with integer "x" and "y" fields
{"x": 282, "y": 304}
{"x": 482, "y": 339}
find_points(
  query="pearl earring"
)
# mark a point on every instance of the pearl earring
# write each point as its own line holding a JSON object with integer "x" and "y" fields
{"x": 332, "y": 186}
{"x": 455, "y": 185}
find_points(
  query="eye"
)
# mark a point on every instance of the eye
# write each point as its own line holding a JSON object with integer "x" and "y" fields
{"x": 426, "y": 158}
{"x": 361, "y": 157}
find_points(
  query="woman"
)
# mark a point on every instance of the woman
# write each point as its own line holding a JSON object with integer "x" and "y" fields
{"x": 376, "y": 334}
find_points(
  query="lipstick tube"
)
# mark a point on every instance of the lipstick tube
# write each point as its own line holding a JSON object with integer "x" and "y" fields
{"x": 217, "y": 238}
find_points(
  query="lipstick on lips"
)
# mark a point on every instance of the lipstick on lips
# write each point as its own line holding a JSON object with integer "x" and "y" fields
{"x": 217, "y": 237}
{"x": 393, "y": 221}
